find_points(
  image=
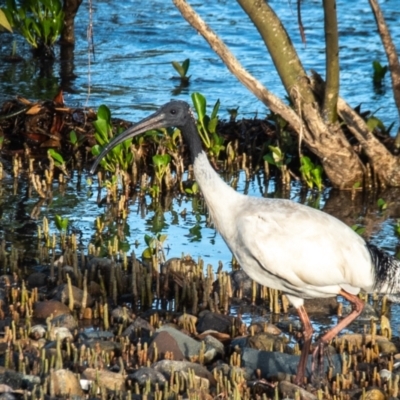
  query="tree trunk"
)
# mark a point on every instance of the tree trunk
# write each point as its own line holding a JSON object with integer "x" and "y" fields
{"x": 323, "y": 137}
{"x": 332, "y": 62}
{"x": 70, "y": 9}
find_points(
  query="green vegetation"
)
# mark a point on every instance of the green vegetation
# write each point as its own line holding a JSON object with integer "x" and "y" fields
{"x": 154, "y": 246}
{"x": 182, "y": 70}
{"x": 379, "y": 72}
{"x": 382, "y": 205}
{"x": 121, "y": 155}
{"x": 311, "y": 173}
{"x": 207, "y": 125}
{"x": 39, "y": 21}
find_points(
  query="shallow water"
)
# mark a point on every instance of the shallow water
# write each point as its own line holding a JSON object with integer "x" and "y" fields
{"x": 132, "y": 73}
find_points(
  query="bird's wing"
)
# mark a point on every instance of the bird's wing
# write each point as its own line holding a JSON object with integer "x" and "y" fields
{"x": 301, "y": 246}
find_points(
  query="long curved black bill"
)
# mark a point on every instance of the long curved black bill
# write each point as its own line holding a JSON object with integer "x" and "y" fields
{"x": 154, "y": 121}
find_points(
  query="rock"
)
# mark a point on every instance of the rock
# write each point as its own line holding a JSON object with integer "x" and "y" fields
{"x": 96, "y": 335}
{"x": 103, "y": 345}
{"x": 385, "y": 374}
{"x": 258, "y": 327}
{"x": 188, "y": 346}
{"x": 105, "y": 379}
{"x": 122, "y": 314}
{"x": 180, "y": 266}
{"x": 166, "y": 367}
{"x": 37, "y": 332}
{"x": 358, "y": 339}
{"x": 61, "y": 332}
{"x": 5, "y": 395}
{"x": 164, "y": 343}
{"x": 271, "y": 363}
{"x": 213, "y": 349}
{"x": 65, "y": 383}
{"x": 143, "y": 374}
{"x": 223, "y": 337}
{"x": 17, "y": 380}
{"x": 373, "y": 394}
{"x": 241, "y": 283}
{"x": 94, "y": 289}
{"x": 289, "y": 390}
{"x": 37, "y": 279}
{"x": 267, "y": 341}
{"x": 326, "y": 306}
{"x": 139, "y": 328}
{"x": 218, "y": 322}
{"x": 61, "y": 293}
{"x": 45, "y": 309}
{"x": 187, "y": 319}
{"x": 228, "y": 370}
{"x": 65, "y": 321}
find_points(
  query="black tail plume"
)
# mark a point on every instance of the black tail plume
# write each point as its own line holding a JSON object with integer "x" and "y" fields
{"x": 387, "y": 270}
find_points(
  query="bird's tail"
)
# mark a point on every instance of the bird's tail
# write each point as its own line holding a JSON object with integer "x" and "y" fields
{"x": 387, "y": 270}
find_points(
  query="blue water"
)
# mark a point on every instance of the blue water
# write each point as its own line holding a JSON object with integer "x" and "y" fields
{"x": 135, "y": 43}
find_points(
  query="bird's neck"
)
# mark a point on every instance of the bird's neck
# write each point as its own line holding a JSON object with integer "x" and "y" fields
{"x": 221, "y": 199}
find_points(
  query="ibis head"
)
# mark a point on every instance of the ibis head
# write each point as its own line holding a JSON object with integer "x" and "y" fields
{"x": 173, "y": 114}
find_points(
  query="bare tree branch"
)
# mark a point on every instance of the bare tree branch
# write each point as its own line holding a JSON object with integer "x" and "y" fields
{"x": 273, "y": 102}
{"x": 331, "y": 94}
{"x": 391, "y": 54}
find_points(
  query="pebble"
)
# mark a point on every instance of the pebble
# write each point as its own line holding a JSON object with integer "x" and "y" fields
{"x": 267, "y": 341}
{"x": 289, "y": 390}
{"x": 65, "y": 383}
{"x": 165, "y": 344}
{"x": 62, "y": 293}
{"x": 45, "y": 309}
{"x": 105, "y": 378}
{"x": 61, "y": 332}
{"x": 37, "y": 279}
{"x": 218, "y": 322}
{"x": 166, "y": 367}
{"x": 143, "y": 374}
{"x": 188, "y": 346}
{"x": 270, "y": 363}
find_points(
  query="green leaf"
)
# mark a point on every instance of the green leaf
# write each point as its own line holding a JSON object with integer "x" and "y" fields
{"x": 178, "y": 68}
{"x": 147, "y": 253}
{"x": 199, "y": 102}
{"x": 104, "y": 113}
{"x": 358, "y": 229}
{"x": 185, "y": 66}
{"x": 382, "y": 204}
{"x": 4, "y": 22}
{"x": 56, "y": 156}
{"x": 148, "y": 239}
{"x": 73, "y": 138}
{"x": 215, "y": 110}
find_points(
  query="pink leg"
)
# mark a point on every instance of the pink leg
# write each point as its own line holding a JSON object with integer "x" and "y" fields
{"x": 358, "y": 306}
{"x": 307, "y": 336}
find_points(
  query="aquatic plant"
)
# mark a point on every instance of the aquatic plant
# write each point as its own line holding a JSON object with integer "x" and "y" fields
{"x": 121, "y": 155}
{"x": 207, "y": 125}
{"x": 311, "y": 173}
{"x": 39, "y": 21}
{"x": 379, "y": 72}
{"x": 182, "y": 69}
{"x": 280, "y": 160}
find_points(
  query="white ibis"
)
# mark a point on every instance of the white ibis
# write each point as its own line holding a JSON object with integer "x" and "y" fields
{"x": 281, "y": 244}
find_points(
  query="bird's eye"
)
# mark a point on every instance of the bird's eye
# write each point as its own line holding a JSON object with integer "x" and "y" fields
{"x": 173, "y": 111}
